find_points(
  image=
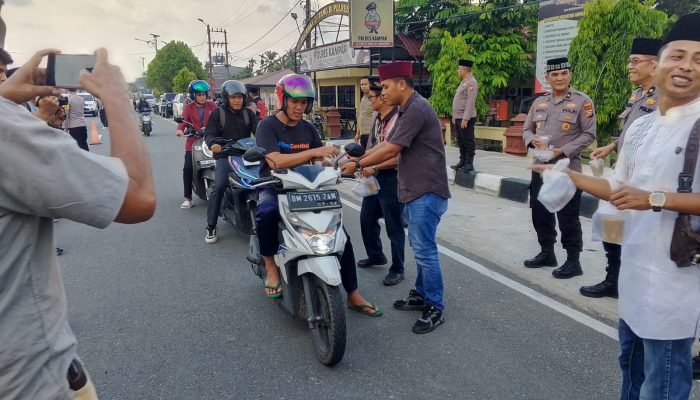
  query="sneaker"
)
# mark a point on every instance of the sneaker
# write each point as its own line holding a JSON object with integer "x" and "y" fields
{"x": 186, "y": 204}
{"x": 431, "y": 319}
{"x": 211, "y": 235}
{"x": 414, "y": 302}
{"x": 392, "y": 278}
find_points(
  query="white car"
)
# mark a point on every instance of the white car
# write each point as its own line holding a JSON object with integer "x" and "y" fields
{"x": 90, "y": 108}
{"x": 179, "y": 103}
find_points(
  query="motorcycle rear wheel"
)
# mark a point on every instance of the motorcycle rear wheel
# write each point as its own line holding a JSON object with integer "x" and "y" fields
{"x": 329, "y": 333}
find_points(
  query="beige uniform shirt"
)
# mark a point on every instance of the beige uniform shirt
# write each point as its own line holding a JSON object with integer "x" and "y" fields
{"x": 364, "y": 117}
{"x": 640, "y": 104}
{"x": 464, "y": 102}
{"x": 570, "y": 122}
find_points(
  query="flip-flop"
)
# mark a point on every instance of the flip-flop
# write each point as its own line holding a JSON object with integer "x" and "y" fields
{"x": 361, "y": 309}
{"x": 275, "y": 288}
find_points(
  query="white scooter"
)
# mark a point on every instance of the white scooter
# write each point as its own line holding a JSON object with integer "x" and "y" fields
{"x": 312, "y": 240}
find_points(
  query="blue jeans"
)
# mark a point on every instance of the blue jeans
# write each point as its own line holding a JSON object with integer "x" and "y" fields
{"x": 223, "y": 169}
{"x": 654, "y": 369}
{"x": 424, "y": 215}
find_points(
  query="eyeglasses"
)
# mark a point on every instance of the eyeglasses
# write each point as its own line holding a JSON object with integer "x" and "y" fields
{"x": 373, "y": 97}
{"x": 636, "y": 61}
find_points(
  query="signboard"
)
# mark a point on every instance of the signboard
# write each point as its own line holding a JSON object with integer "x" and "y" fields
{"x": 556, "y": 29}
{"x": 329, "y": 10}
{"x": 220, "y": 75}
{"x": 371, "y": 23}
{"x": 333, "y": 56}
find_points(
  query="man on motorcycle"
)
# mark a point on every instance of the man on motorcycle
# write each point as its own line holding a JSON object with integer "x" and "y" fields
{"x": 230, "y": 122}
{"x": 291, "y": 141}
{"x": 142, "y": 105}
{"x": 196, "y": 113}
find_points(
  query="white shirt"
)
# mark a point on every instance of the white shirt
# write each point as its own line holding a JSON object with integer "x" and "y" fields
{"x": 657, "y": 299}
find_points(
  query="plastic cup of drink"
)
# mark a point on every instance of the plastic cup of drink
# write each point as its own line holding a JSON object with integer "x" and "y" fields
{"x": 597, "y": 167}
{"x": 612, "y": 228}
{"x": 544, "y": 142}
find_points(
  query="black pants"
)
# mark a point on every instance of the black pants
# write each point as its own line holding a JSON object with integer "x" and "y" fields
{"x": 80, "y": 135}
{"x": 363, "y": 141}
{"x": 223, "y": 169}
{"x": 267, "y": 218}
{"x": 545, "y": 223}
{"x": 103, "y": 117}
{"x": 612, "y": 252}
{"x": 465, "y": 140}
{"x": 187, "y": 175}
{"x": 384, "y": 204}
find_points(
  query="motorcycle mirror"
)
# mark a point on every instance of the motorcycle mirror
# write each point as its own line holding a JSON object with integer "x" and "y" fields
{"x": 354, "y": 150}
{"x": 179, "y": 120}
{"x": 254, "y": 154}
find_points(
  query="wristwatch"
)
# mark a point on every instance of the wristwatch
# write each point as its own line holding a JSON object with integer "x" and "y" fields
{"x": 357, "y": 165}
{"x": 657, "y": 201}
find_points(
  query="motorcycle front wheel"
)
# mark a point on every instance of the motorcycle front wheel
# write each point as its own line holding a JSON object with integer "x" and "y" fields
{"x": 328, "y": 333}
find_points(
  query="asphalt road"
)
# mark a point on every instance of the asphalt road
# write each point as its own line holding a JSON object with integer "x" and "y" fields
{"x": 159, "y": 314}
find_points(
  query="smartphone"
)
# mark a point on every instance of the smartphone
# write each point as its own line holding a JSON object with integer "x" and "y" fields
{"x": 63, "y": 70}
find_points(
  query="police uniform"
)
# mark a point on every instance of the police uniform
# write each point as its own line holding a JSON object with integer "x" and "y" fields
{"x": 571, "y": 124}
{"x": 641, "y": 103}
{"x": 464, "y": 108}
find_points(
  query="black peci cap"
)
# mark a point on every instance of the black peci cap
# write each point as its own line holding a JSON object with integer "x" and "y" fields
{"x": 645, "y": 46}
{"x": 466, "y": 63}
{"x": 686, "y": 28}
{"x": 555, "y": 64}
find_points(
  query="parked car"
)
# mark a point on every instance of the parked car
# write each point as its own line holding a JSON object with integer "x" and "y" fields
{"x": 90, "y": 108}
{"x": 178, "y": 104}
{"x": 166, "y": 105}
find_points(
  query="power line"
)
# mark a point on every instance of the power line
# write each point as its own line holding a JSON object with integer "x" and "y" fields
{"x": 273, "y": 44}
{"x": 244, "y": 16}
{"x": 232, "y": 16}
{"x": 271, "y": 29}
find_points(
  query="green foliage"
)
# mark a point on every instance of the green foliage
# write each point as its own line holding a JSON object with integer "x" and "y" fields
{"x": 182, "y": 80}
{"x": 677, "y": 7}
{"x": 247, "y": 72}
{"x": 499, "y": 35}
{"x": 599, "y": 53}
{"x": 168, "y": 62}
{"x": 443, "y": 72}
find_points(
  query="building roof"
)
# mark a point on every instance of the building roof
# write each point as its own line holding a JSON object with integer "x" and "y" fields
{"x": 270, "y": 79}
{"x": 411, "y": 44}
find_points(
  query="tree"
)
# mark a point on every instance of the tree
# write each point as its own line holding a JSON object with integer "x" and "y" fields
{"x": 168, "y": 62}
{"x": 267, "y": 61}
{"x": 182, "y": 79}
{"x": 599, "y": 52}
{"x": 678, "y": 8}
{"x": 443, "y": 72}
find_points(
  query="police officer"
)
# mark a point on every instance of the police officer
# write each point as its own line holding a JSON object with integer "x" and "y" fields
{"x": 642, "y": 102}
{"x": 464, "y": 116}
{"x": 567, "y": 117}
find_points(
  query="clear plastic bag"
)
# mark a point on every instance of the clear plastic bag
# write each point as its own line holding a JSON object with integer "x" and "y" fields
{"x": 366, "y": 186}
{"x": 557, "y": 188}
{"x": 609, "y": 224}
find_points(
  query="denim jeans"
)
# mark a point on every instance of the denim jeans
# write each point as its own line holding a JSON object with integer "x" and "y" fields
{"x": 223, "y": 169}
{"x": 654, "y": 369}
{"x": 384, "y": 204}
{"x": 424, "y": 215}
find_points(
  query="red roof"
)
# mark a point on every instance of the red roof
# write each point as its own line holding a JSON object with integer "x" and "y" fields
{"x": 412, "y": 45}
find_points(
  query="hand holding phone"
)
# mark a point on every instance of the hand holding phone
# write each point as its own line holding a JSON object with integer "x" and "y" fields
{"x": 29, "y": 80}
{"x": 63, "y": 70}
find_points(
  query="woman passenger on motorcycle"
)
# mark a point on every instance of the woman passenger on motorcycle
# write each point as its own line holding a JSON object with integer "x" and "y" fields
{"x": 291, "y": 141}
{"x": 197, "y": 114}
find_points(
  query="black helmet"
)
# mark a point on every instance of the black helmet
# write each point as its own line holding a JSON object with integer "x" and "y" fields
{"x": 195, "y": 87}
{"x": 229, "y": 88}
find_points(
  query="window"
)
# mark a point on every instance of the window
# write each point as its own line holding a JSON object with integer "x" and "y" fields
{"x": 346, "y": 96}
{"x": 327, "y": 96}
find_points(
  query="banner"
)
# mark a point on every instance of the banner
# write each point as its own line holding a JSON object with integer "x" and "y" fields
{"x": 556, "y": 29}
{"x": 371, "y": 23}
{"x": 336, "y": 55}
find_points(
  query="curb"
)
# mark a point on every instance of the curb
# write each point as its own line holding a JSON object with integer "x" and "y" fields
{"x": 514, "y": 189}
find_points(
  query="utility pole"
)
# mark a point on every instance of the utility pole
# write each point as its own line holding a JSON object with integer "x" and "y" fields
{"x": 306, "y": 23}
{"x": 143, "y": 63}
{"x": 226, "y": 48}
{"x": 155, "y": 40}
{"x": 211, "y": 80}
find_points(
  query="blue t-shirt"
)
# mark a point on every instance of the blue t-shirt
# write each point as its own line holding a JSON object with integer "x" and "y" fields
{"x": 276, "y": 137}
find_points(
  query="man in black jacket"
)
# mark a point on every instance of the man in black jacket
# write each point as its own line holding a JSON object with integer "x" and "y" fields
{"x": 236, "y": 122}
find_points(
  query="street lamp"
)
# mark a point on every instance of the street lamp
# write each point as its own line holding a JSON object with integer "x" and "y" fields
{"x": 294, "y": 17}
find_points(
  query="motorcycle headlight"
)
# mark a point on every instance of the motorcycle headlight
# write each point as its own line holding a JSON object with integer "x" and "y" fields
{"x": 205, "y": 149}
{"x": 321, "y": 243}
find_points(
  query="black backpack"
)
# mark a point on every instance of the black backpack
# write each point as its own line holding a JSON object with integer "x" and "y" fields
{"x": 246, "y": 118}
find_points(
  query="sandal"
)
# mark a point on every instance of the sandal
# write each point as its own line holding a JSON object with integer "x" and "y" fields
{"x": 277, "y": 293}
{"x": 361, "y": 308}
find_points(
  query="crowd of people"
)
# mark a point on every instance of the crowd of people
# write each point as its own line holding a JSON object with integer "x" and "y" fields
{"x": 659, "y": 303}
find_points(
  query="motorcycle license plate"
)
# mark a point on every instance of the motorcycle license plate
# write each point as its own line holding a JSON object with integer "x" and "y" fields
{"x": 206, "y": 162}
{"x": 312, "y": 201}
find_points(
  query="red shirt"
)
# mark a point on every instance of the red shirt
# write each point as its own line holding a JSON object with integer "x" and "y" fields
{"x": 191, "y": 115}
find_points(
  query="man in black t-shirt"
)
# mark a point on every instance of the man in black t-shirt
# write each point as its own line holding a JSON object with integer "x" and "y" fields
{"x": 290, "y": 142}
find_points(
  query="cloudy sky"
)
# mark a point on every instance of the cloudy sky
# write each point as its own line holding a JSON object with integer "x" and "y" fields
{"x": 80, "y": 26}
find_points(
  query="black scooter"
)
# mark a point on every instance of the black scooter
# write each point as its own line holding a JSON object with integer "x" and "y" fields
{"x": 203, "y": 162}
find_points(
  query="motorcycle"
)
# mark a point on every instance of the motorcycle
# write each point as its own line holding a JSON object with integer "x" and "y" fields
{"x": 318, "y": 124}
{"x": 146, "y": 126}
{"x": 239, "y": 202}
{"x": 203, "y": 162}
{"x": 311, "y": 242}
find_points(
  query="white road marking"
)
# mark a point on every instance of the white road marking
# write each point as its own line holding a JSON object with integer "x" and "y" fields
{"x": 577, "y": 316}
